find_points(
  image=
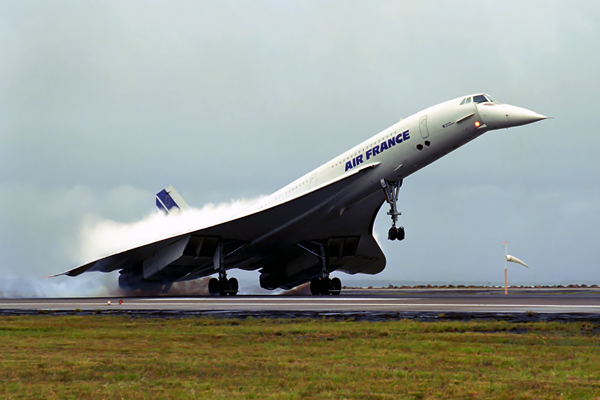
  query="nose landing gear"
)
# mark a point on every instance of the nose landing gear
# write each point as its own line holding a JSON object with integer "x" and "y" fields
{"x": 396, "y": 233}
{"x": 391, "y": 190}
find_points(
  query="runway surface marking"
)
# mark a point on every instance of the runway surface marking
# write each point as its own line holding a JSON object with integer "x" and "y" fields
{"x": 281, "y": 298}
{"x": 323, "y": 304}
{"x": 581, "y": 302}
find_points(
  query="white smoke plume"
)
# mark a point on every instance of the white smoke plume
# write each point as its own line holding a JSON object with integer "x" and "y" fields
{"x": 101, "y": 238}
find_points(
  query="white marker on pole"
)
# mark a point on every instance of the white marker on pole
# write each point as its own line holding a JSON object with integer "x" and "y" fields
{"x": 510, "y": 258}
{"x": 516, "y": 260}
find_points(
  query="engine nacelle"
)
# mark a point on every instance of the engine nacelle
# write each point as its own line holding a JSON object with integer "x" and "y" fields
{"x": 136, "y": 283}
{"x": 273, "y": 279}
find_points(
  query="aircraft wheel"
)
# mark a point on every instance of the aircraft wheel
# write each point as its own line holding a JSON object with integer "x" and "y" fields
{"x": 400, "y": 234}
{"x": 213, "y": 286}
{"x": 224, "y": 287}
{"x": 325, "y": 286}
{"x": 336, "y": 285}
{"x": 234, "y": 286}
{"x": 392, "y": 233}
{"x": 315, "y": 287}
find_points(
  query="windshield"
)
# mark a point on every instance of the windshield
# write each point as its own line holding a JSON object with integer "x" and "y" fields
{"x": 480, "y": 99}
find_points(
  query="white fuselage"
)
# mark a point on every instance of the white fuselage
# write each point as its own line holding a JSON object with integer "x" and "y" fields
{"x": 408, "y": 145}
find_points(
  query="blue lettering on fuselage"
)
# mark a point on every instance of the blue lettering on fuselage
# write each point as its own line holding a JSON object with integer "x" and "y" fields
{"x": 378, "y": 149}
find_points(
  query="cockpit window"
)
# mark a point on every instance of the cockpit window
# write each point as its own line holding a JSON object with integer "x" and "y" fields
{"x": 480, "y": 99}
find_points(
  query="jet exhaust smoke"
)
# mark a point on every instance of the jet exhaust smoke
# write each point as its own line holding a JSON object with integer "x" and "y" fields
{"x": 302, "y": 290}
{"x": 102, "y": 237}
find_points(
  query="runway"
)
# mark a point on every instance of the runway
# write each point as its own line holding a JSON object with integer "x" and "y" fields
{"x": 361, "y": 302}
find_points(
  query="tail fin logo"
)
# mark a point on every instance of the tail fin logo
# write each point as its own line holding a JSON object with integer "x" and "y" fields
{"x": 168, "y": 199}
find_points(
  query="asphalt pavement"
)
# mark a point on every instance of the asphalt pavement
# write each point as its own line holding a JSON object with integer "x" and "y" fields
{"x": 410, "y": 303}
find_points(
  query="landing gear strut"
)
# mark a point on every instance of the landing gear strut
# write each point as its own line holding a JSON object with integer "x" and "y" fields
{"x": 223, "y": 286}
{"x": 323, "y": 284}
{"x": 391, "y": 190}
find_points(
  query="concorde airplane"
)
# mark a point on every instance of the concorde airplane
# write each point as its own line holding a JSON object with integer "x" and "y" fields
{"x": 321, "y": 222}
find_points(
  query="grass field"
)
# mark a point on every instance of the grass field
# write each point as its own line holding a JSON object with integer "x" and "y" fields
{"x": 113, "y": 357}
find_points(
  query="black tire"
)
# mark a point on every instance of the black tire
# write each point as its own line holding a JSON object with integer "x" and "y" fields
{"x": 315, "y": 286}
{"x": 234, "y": 286}
{"x": 213, "y": 286}
{"x": 400, "y": 235}
{"x": 224, "y": 287}
{"x": 326, "y": 286}
{"x": 392, "y": 233}
{"x": 336, "y": 286}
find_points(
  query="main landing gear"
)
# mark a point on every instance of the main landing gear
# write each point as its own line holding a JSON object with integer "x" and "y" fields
{"x": 326, "y": 286}
{"x": 391, "y": 190}
{"x": 323, "y": 284}
{"x": 223, "y": 286}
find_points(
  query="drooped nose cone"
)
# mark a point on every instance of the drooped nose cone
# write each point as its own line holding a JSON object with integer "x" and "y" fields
{"x": 497, "y": 116}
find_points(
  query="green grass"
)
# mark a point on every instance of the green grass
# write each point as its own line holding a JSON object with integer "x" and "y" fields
{"x": 116, "y": 357}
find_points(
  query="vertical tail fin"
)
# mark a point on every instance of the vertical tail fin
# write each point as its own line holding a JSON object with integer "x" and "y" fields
{"x": 169, "y": 199}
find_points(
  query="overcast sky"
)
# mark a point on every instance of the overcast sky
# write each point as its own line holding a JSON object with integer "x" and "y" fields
{"x": 102, "y": 104}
